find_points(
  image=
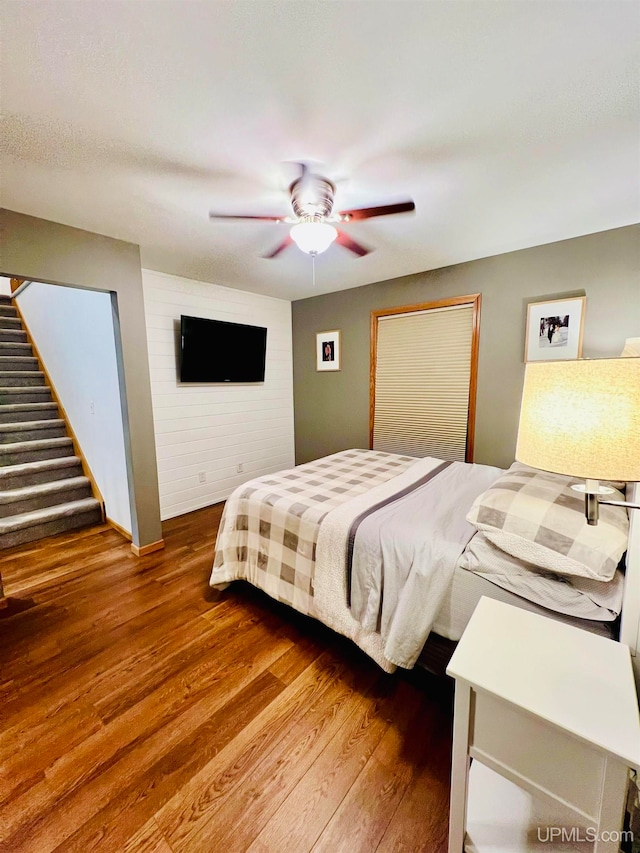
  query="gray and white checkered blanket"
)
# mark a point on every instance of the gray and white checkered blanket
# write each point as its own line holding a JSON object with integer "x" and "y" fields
{"x": 269, "y": 527}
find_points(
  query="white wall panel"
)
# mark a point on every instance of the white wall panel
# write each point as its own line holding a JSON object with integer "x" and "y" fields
{"x": 213, "y": 428}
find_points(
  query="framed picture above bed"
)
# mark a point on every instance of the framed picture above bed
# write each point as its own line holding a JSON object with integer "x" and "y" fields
{"x": 554, "y": 329}
{"x": 328, "y": 350}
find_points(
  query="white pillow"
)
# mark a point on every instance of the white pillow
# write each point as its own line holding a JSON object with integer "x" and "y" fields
{"x": 535, "y": 516}
{"x": 580, "y": 597}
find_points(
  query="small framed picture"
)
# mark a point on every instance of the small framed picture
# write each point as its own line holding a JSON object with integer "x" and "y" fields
{"x": 554, "y": 329}
{"x": 328, "y": 350}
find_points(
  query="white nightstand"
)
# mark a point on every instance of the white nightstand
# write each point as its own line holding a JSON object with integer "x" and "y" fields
{"x": 551, "y": 709}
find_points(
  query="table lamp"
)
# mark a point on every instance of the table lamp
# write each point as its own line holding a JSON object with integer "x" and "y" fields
{"x": 582, "y": 419}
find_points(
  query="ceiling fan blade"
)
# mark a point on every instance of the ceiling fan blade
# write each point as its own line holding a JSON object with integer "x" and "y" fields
{"x": 213, "y": 215}
{"x": 279, "y": 248}
{"x": 348, "y": 243}
{"x": 383, "y": 210}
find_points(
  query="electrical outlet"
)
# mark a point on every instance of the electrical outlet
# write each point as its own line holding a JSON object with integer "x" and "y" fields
{"x": 240, "y": 468}
{"x": 92, "y": 407}
{"x": 202, "y": 477}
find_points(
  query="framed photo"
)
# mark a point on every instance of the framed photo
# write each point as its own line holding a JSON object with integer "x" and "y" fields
{"x": 554, "y": 329}
{"x": 328, "y": 350}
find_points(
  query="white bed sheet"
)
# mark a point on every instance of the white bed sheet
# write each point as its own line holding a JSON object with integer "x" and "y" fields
{"x": 465, "y": 592}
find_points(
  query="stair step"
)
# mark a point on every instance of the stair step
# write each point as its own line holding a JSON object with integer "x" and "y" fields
{"x": 28, "y": 394}
{"x": 32, "y": 430}
{"x": 29, "y": 498}
{"x": 33, "y": 451}
{"x": 18, "y": 362}
{"x": 12, "y": 413}
{"x": 41, "y": 471}
{"x": 9, "y": 335}
{"x": 10, "y": 322}
{"x": 43, "y": 490}
{"x": 14, "y": 348}
{"x": 29, "y": 526}
{"x": 21, "y": 378}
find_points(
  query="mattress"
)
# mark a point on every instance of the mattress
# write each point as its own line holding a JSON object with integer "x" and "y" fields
{"x": 466, "y": 590}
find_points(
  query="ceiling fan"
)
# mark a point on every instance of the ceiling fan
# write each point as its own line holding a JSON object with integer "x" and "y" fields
{"x": 312, "y": 228}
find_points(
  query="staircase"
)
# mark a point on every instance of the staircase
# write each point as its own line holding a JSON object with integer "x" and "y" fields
{"x": 42, "y": 487}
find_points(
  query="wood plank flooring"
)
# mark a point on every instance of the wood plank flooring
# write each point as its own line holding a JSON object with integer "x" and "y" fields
{"x": 141, "y": 712}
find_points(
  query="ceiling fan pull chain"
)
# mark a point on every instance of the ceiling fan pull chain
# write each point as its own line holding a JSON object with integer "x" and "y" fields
{"x": 313, "y": 268}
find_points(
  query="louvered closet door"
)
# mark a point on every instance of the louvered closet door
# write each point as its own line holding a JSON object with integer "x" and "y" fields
{"x": 423, "y": 368}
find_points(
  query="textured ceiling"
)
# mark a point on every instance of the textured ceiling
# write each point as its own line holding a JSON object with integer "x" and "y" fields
{"x": 511, "y": 124}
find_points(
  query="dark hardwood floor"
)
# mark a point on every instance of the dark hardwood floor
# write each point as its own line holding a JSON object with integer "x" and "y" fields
{"x": 138, "y": 713}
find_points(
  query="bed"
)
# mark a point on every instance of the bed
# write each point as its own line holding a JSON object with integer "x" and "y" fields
{"x": 391, "y": 550}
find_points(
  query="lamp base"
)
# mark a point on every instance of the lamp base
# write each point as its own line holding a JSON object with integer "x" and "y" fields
{"x": 592, "y": 499}
{"x": 591, "y": 489}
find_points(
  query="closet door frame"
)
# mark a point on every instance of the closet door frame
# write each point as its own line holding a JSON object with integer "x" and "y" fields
{"x": 473, "y": 299}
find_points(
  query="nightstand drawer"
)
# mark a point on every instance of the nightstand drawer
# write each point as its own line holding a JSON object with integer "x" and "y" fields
{"x": 537, "y": 756}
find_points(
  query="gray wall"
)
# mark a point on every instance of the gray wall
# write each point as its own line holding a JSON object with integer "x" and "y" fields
{"x": 47, "y": 251}
{"x": 332, "y": 409}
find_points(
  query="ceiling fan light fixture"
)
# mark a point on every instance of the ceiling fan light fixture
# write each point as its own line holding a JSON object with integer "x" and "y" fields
{"x": 313, "y": 237}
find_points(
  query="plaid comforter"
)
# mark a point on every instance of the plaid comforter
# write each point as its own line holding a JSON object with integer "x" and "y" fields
{"x": 269, "y": 527}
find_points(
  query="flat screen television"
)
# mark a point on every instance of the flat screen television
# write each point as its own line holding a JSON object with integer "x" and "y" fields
{"x": 217, "y": 351}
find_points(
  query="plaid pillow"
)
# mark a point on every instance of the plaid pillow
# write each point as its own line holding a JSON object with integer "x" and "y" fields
{"x": 535, "y": 516}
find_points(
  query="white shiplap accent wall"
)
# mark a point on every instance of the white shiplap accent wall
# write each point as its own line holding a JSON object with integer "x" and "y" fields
{"x": 213, "y": 428}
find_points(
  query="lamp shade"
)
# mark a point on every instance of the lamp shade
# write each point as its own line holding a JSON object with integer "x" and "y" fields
{"x": 313, "y": 237}
{"x": 582, "y": 418}
{"x": 631, "y": 348}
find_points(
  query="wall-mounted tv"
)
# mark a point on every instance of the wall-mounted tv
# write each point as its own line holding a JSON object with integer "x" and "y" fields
{"x": 217, "y": 351}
